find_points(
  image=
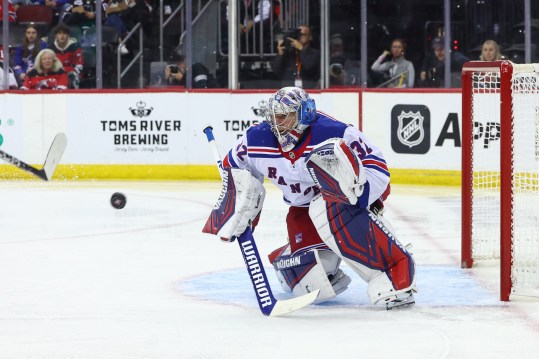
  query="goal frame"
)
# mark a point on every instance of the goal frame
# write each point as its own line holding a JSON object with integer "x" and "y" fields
{"x": 505, "y": 69}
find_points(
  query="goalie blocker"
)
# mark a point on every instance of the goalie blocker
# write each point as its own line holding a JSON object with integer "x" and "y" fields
{"x": 238, "y": 207}
{"x": 359, "y": 237}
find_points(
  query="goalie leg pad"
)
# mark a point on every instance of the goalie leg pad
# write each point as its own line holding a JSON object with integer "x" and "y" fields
{"x": 382, "y": 289}
{"x": 307, "y": 271}
{"x": 365, "y": 243}
{"x": 238, "y": 206}
{"x": 338, "y": 171}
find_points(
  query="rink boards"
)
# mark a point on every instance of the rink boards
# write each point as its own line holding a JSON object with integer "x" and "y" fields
{"x": 158, "y": 135}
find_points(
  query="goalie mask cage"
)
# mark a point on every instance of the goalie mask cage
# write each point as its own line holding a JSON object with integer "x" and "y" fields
{"x": 500, "y": 171}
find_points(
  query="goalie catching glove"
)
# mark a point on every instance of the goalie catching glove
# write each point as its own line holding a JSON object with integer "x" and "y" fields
{"x": 337, "y": 170}
{"x": 239, "y": 205}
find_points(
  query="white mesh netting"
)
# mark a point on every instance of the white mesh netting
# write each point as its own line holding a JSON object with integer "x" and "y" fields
{"x": 486, "y": 170}
{"x": 486, "y": 165}
{"x": 525, "y": 267}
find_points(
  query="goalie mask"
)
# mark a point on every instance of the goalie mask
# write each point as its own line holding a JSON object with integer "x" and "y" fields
{"x": 289, "y": 112}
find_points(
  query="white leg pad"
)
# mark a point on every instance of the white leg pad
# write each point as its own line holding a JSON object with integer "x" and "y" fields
{"x": 381, "y": 290}
{"x": 324, "y": 274}
{"x": 317, "y": 212}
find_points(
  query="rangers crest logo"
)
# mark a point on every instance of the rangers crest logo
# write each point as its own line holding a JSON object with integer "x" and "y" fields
{"x": 410, "y": 131}
{"x": 141, "y": 110}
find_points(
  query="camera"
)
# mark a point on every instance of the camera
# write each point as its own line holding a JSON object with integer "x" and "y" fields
{"x": 294, "y": 34}
{"x": 335, "y": 69}
{"x": 174, "y": 69}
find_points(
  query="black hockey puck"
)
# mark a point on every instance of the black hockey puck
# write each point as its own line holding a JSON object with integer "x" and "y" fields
{"x": 118, "y": 200}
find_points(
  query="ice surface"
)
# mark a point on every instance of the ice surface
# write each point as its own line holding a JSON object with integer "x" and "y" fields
{"x": 80, "y": 279}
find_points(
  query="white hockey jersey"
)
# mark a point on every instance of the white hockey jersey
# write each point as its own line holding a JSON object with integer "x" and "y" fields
{"x": 12, "y": 82}
{"x": 259, "y": 151}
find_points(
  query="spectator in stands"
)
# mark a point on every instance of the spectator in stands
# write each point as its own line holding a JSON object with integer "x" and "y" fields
{"x": 114, "y": 11}
{"x": 343, "y": 71}
{"x": 336, "y": 47}
{"x": 12, "y": 82}
{"x": 18, "y": 3}
{"x": 399, "y": 71}
{"x": 490, "y": 51}
{"x": 69, "y": 52}
{"x": 26, "y": 54}
{"x": 81, "y": 13}
{"x": 297, "y": 63}
{"x": 12, "y": 16}
{"x": 47, "y": 73}
{"x": 139, "y": 11}
{"x": 433, "y": 70}
{"x": 58, "y": 7}
{"x": 262, "y": 22}
{"x": 245, "y": 17}
{"x": 175, "y": 74}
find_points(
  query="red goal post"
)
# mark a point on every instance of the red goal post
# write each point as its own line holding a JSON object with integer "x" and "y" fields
{"x": 500, "y": 171}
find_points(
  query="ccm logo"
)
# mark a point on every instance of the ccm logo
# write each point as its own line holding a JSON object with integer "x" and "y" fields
{"x": 325, "y": 152}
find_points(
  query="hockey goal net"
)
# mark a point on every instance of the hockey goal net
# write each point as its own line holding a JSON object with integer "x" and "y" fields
{"x": 500, "y": 171}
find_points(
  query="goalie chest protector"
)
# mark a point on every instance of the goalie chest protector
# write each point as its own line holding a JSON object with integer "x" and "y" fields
{"x": 260, "y": 152}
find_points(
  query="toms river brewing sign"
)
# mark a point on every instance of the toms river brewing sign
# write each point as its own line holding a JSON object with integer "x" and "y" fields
{"x": 141, "y": 132}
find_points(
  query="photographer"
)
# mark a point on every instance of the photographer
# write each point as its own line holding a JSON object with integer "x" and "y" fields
{"x": 297, "y": 63}
{"x": 175, "y": 74}
{"x": 343, "y": 71}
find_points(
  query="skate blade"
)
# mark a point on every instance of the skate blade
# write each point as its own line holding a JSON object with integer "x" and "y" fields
{"x": 401, "y": 303}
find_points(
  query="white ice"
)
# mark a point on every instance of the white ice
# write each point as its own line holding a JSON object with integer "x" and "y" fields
{"x": 80, "y": 279}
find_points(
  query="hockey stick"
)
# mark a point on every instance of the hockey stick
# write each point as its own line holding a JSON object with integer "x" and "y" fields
{"x": 53, "y": 158}
{"x": 266, "y": 301}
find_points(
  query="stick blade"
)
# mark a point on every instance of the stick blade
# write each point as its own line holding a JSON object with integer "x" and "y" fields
{"x": 283, "y": 307}
{"x": 54, "y": 156}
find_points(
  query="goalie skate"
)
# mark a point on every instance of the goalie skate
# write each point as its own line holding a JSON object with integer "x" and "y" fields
{"x": 401, "y": 300}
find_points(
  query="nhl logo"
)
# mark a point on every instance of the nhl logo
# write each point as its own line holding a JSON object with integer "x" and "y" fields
{"x": 410, "y": 131}
{"x": 291, "y": 155}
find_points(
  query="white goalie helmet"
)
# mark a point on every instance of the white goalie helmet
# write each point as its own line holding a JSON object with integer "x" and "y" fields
{"x": 289, "y": 112}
